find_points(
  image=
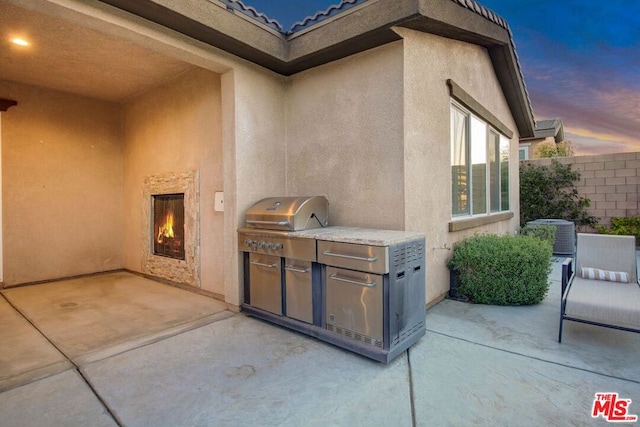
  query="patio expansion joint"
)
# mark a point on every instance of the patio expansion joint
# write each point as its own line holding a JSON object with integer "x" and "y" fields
{"x": 148, "y": 339}
{"x": 412, "y": 399}
{"x": 515, "y": 353}
{"x": 75, "y": 366}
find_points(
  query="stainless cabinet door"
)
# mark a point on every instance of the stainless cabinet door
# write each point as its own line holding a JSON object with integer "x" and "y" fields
{"x": 265, "y": 283}
{"x": 354, "y": 302}
{"x": 298, "y": 290}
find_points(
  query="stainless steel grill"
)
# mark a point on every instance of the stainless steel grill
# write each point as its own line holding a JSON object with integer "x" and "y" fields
{"x": 270, "y": 222}
{"x": 330, "y": 284}
{"x": 275, "y": 260}
{"x": 289, "y": 213}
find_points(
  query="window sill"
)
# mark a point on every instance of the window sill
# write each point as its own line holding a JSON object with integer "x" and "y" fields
{"x": 464, "y": 224}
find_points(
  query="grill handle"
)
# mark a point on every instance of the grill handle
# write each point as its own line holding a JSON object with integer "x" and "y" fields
{"x": 358, "y": 258}
{"x": 255, "y": 221}
{"x": 260, "y": 264}
{"x": 296, "y": 269}
{"x": 354, "y": 282}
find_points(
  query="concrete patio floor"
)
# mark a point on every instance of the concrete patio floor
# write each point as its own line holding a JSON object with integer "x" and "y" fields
{"x": 119, "y": 349}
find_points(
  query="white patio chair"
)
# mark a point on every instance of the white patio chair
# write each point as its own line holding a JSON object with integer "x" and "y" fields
{"x": 596, "y": 292}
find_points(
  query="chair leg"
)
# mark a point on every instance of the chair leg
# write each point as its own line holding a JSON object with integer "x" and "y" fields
{"x": 560, "y": 329}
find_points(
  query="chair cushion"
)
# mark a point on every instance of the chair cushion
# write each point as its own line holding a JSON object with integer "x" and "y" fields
{"x": 607, "y": 275}
{"x": 599, "y": 301}
{"x": 607, "y": 252}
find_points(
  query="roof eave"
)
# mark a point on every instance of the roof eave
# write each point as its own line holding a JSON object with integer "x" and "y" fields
{"x": 348, "y": 33}
{"x": 514, "y": 89}
{"x": 202, "y": 20}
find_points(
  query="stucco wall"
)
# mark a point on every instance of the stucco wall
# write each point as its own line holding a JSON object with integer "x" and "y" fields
{"x": 62, "y": 185}
{"x": 172, "y": 128}
{"x": 344, "y": 137}
{"x": 429, "y": 61}
{"x": 372, "y": 133}
{"x": 254, "y": 155}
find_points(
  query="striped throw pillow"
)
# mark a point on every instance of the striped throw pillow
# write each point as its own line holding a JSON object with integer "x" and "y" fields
{"x": 611, "y": 276}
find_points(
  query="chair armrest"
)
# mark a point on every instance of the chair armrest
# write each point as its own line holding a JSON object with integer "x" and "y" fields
{"x": 567, "y": 274}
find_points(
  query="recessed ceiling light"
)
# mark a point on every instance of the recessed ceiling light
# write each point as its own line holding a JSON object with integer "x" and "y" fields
{"x": 19, "y": 41}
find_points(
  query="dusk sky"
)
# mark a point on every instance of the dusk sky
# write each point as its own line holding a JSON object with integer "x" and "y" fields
{"x": 580, "y": 59}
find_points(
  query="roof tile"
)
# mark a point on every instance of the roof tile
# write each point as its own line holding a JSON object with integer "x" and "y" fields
{"x": 324, "y": 14}
{"x": 250, "y": 11}
{"x": 344, "y": 5}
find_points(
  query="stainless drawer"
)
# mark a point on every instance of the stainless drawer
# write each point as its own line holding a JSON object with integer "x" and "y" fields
{"x": 299, "y": 296}
{"x": 374, "y": 259}
{"x": 354, "y": 305}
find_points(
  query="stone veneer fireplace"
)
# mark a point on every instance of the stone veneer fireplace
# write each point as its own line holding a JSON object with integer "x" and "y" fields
{"x": 171, "y": 227}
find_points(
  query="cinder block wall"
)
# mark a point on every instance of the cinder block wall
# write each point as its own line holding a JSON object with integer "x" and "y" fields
{"x": 610, "y": 181}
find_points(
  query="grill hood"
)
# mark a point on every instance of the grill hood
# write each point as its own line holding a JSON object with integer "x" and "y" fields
{"x": 289, "y": 213}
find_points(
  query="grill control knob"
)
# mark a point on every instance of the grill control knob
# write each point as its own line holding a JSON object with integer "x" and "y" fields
{"x": 262, "y": 244}
{"x": 277, "y": 246}
{"x": 248, "y": 242}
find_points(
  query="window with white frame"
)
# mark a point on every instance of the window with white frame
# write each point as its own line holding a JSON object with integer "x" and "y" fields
{"x": 479, "y": 165}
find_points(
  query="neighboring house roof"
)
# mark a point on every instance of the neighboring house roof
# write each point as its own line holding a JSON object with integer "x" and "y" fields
{"x": 549, "y": 128}
{"x": 339, "y": 32}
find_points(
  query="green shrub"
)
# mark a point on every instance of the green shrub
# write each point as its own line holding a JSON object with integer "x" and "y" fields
{"x": 543, "y": 232}
{"x": 502, "y": 270}
{"x": 622, "y": 226}
{"x": 550, "y": 192}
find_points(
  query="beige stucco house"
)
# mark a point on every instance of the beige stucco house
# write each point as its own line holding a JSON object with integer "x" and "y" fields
{"x": 549, "y": 130}
{"x": 362, "y": 105}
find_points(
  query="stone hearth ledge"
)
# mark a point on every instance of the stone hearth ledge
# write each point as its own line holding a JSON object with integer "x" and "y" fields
{"x": 363, "y": 236}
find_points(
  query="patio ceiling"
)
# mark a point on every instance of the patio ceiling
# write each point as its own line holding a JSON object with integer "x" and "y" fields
{"x": 71, "y": 54}
{"x": 66, "y": 56}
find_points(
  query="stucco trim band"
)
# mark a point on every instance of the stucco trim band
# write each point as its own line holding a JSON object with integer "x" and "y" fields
{"x": 175, "y": 270}
{"x": 462, "y": 96}
{"x": 479, "y": 221}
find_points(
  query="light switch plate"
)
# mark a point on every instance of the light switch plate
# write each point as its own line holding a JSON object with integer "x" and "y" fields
{"x": 218, "y": 201}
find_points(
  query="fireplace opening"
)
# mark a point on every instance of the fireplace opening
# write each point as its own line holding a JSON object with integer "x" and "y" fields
{"x": 168, "y": 225}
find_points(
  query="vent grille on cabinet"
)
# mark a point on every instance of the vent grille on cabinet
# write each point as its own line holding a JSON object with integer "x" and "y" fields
{"x": 355, "y": 336}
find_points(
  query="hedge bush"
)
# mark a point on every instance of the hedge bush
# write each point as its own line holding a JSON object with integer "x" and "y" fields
{"x": 541, "y": 231}
{"x": 623, "y": 226}
{"x": 502, "y": 270}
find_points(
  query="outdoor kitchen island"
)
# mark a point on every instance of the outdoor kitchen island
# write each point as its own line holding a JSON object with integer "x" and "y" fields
{"x": 364, "y": 291}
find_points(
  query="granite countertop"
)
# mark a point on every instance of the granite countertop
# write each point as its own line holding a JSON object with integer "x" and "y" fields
{"x": 362, "y": 236}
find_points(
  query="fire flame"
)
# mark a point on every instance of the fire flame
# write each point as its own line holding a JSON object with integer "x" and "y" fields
{"x": 165, "y": 231}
